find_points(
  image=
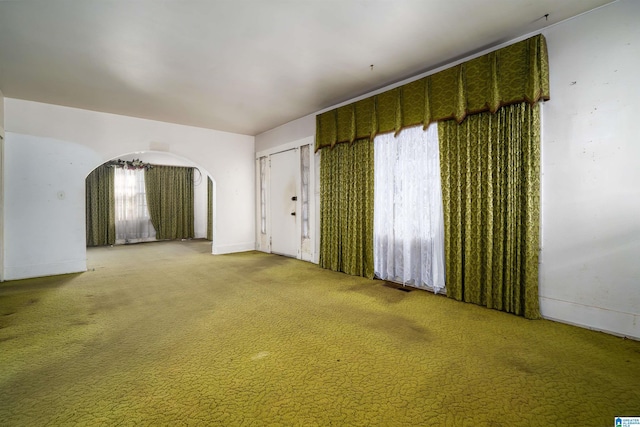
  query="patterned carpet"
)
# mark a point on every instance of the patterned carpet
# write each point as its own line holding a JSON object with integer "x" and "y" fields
{"x": 167, "y": 334}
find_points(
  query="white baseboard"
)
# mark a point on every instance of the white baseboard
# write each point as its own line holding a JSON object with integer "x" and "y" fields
{"x": 229, "y": 249}
{"x": 596, "y": 318}
{"x": 18, "y": 272}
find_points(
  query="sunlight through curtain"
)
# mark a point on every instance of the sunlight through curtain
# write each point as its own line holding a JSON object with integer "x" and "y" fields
{"x": 408, "y": 223}
{"x": 346, "y": 208}
{"x": 490, "y": 167}
{"x": 263, "y": 194}
{"x": 170, "y": 199}
{"x": 305, "y": 164}
{"x": 133, "y": 223}
{"x": 100, "y": 210}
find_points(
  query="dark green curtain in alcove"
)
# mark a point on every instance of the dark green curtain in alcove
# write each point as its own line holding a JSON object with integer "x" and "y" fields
{"x": 170, "y": 200}
{"x": 100, "y": 207}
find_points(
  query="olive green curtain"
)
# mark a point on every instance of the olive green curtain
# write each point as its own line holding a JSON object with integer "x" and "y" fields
{"x": 346, "y": 208}
{"x": 209, "y": 209}
{"x": 100, "y": 207}
{"x": 170, "y": 200}
{"x": 510, "y": 75}
{"x": 490, "y": 167}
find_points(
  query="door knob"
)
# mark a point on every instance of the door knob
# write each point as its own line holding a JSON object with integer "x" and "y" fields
{"x": 293, "y": 214}
{"x": 294, "y": 198}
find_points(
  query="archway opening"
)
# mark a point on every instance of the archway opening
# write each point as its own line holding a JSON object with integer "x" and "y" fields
{"x": 203, "y": 201}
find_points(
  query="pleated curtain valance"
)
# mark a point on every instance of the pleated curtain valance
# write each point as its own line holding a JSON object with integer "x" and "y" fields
{"x": 513, "y": 74}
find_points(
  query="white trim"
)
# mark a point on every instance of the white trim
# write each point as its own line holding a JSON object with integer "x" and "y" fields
{"x": 294, "y": 145}
{"x": 263, "y": 240}
{"x": 288, "y": 146}
{"x": 41, "y": 270}
{"x": 596, "y": 318}
{"x": 229, "y": 249}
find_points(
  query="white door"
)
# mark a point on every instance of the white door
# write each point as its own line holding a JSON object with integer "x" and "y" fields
{"x": 285, "y": 167}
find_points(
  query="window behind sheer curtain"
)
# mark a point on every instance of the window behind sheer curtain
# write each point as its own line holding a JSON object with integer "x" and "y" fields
{"x": 263, "y": 195}
{"x": 408, "y": 219}
{"x": 305, "y": 160}
{"x": 133, "y": 223}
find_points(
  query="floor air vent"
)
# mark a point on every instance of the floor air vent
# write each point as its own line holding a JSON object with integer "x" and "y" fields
{"x": 397, "y": 286}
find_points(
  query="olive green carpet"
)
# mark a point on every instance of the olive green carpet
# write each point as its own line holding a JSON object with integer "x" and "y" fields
{"x": 167, "y": 334}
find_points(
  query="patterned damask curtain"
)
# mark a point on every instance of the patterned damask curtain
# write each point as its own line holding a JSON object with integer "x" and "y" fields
{"x": 100, "y": 207}
{"x": 490, "y": 160}
{"x": 346, "y": 204}
{"x": 209, "y": 209}
{"x": 510, "y": 75}
{"x": 170, "y": 200}
{"x": 490, "y": 167}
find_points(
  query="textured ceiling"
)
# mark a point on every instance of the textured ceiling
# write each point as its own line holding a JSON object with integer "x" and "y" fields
{"x": 243, "y": 66}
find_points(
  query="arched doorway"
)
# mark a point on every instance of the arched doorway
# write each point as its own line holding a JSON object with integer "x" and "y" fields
{"x": 203, "y": 194}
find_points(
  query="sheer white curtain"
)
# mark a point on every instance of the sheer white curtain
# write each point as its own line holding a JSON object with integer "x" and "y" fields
{"x": 408, "y": 221}
{"x": 305, "y": 163}
{"x": 133, "y": 223}
{"x": 263, "y": 195}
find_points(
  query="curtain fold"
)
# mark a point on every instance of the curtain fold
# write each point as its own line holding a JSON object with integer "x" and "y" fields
{"x": 100, "y": 207}
{"x": 169, "y": 192}
{"x": 346, "y": 208}
{"x": 513, "y": 74}
{"x": 408, "y": 221}
{"x": 490, "y": 167}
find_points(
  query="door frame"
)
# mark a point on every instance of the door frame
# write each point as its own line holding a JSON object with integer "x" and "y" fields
{"x": 295, "y": 202}
{"x": 307, "y": 248}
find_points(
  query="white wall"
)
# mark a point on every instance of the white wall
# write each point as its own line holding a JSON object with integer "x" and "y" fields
{"x": 1, "y": 114}
{"x": 44, "y": 206}
{"x": 590, "y": 270}
{"x": 80, "y": 139}
{"x": 1, "y": 186}
{"x": 296, "y": 130}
